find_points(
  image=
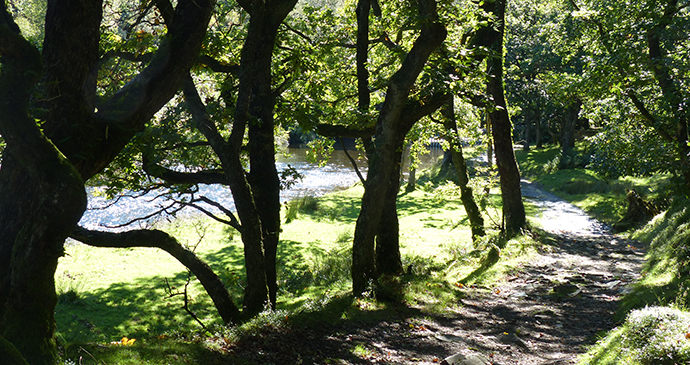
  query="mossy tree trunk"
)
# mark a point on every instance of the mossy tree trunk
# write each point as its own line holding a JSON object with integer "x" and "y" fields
{"x": 466, "y": 195}
{"x": 501, "y": 127}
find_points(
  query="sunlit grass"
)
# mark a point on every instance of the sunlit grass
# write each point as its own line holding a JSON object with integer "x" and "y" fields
{"x": 107, "y": 294}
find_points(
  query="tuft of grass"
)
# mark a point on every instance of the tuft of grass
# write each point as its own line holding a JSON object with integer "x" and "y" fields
{"x": 649, "y": 336}
{"x": 303, "y": 204}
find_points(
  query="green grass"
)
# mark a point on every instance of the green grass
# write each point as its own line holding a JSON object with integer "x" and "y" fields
{"x": 604, "y": 199}
{"x": 107, "y": 294}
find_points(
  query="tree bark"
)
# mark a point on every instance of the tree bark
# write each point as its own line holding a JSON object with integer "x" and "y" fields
{"x": 501, "y": 127}
{"x": 388, "y": 259}
{"x": 42, "y": 194}
{"x": 537, "y": 124}
{"x": 255, "y": 107}
{"x": 568, "y": 127}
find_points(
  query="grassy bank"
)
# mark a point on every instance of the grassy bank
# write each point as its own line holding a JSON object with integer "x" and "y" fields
{"x": 125, "y": 306}
{"x": 656, "y": 320}
{"x": 602, "y": 198}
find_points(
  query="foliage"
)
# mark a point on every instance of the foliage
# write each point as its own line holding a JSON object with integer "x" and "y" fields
{"x": 622, "y": 149}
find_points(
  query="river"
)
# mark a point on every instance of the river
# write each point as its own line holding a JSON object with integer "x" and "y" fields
{"x": 105, "y": 214}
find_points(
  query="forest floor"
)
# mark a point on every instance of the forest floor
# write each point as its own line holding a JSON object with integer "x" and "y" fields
{"x": 546, "y": 312}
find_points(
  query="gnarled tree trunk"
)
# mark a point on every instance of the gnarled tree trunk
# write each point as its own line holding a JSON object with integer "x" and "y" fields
{"x": 42, "y": 194}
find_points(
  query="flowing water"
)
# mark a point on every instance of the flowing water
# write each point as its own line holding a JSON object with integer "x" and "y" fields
{"x": 317, "y": 180}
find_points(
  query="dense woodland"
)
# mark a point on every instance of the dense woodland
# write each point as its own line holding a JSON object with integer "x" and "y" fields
{"x": 150, "y": 95}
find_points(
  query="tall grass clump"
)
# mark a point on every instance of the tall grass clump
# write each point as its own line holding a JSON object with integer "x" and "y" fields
{"x": 303, "y": 204}
{"x": 668, "y": 236}
{"x": 649, "y": 336}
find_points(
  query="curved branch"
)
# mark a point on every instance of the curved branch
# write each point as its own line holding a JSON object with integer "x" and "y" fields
{"x": 339, "y": 130}
{"x": 159, "y": 239}
{"x": 217, "y": 66}
{"x": 413, "y": 111}
{"x": 176, "y": 177}
{"x": 352, "y": 161}
{"x": 233, "y": 222}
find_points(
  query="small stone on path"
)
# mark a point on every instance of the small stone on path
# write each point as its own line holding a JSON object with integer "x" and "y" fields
{"x": 471, "y": 359}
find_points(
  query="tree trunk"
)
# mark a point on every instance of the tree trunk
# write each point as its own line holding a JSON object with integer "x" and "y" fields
{"x": 568, "y": 127}
{"x": 388, "y": 260}
{"x": 263, "y": 175}
{"x": 489, "y": 142}
{"x": 537, "y": 124}
{"x": 513, "y": 208}
{"x": 384, "y": 166}
{"x": 473, "y": 213}
{"x": 411, "y": 181}
{"x": 528, "y": 129}
{"x": 42, "y": 194}
{"x": 363, "y": 97}
{"x": 255, "y": 107}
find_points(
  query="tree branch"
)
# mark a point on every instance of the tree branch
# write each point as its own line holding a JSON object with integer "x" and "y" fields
{"x": 176, "y": 177}
{"x": 233, "y": 222}
{"x": 413, "y": 111}
{"x": 352, "y": 161}
{"x": 340, "y": 130}
{"x": 159, "y": 239}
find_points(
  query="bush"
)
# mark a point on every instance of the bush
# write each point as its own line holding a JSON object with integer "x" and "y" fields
{"x": 649, "y": 336}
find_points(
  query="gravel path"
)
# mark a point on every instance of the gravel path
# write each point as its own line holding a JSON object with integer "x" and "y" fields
{"x": 546, "y": 313}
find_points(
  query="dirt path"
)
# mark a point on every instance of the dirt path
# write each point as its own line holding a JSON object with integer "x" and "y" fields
{"x": 546, "y": 313}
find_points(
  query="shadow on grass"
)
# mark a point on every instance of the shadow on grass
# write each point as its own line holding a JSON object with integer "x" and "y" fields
{"x": 344, "y": 209}
{"x": 156, "y": 351}
{"x": 137, "y": 309}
